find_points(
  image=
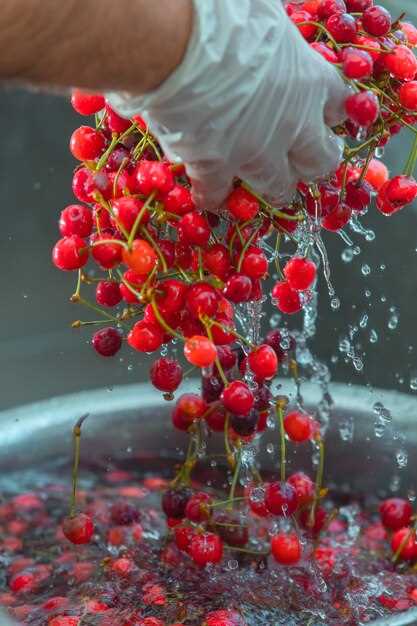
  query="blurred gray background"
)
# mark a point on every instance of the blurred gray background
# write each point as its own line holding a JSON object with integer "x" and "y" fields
{"x": 40, "y": 356}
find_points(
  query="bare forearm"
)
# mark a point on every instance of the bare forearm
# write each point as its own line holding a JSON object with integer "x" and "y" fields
{"x": 130, "y": 45}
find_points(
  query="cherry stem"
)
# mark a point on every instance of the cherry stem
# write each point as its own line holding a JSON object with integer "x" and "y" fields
{"x": 236, "y": 474}
{"x": 149, "y": 139}
{"x": 155, "y": 246}
{"x": 77, "y": 444}
{"x": 367, "y": 163}
{"x": 403, "y": 543}
{"x": 76, "y": 299}
{"x": 139, "y": 219}
{"x": 246, "y": 551}
{"x": 246, "y": 247}
{"x": 235, "y": 333}
{"x": 277, "y": 249}
{"x": 103, "y": 242}
{"x": 119, "y": 171}
{"x": 275, "y": 212}
{"x": 162, "y": 322}
{"x": 283, "y": 458}
{"x": 207, "y": 325}
{"x": 229, "y": 453}
{"x": 319, "y": 482}
{"x": 225, "y": 503}
{"x": 412, "y": 159}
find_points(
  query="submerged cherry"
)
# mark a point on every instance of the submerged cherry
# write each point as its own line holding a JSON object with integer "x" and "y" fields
{"x": 78, "y": 529}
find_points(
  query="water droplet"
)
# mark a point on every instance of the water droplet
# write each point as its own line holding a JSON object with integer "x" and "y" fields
{"x": 270, "y": 448}
{"x": 335, "y": 304}
{"x": 379, "y": 429}
{"x": 413, "y": 383}
{"x": 382, "y": 267}
{"x": 373, "y": 336}
{"x": 402, "y": 458}
{"x": 379, "y": 152}
{"x": 368, "y": 293}
{"x": 275, "y": 320}
{"x": 363, "y": 322}
{"x": 357, "y": 364}
{"x": 365, "y": 269}
{"x": 394, "y": 319}
{"x": 346, "y": 429}
{"x": 395, "y": 483}
{"x": 347, "y": 255}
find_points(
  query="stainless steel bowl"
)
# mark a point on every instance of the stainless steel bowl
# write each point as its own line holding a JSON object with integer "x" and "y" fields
{"x": 131, "y": 424}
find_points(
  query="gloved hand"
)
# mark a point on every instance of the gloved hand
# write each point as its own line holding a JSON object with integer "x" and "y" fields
{"x": 251, "y": 99}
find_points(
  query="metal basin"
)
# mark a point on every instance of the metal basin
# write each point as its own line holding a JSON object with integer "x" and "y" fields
{"x": 129, "y": 425}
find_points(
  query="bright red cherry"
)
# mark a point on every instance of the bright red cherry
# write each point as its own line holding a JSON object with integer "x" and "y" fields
{"x": 401, "y": 190}
{"x": 287, "y": 299}
{"x": 198, "y": 507}
{"x": 107, "y": 254}
{"x": 64, "y": 620}
{"x": 115, "y": 123}
{"x": 126, "y": 211}
{"x": 326, "y": 52}
{"x": 23, "y": 582}
{"x": 363, "y": 108}
{"x": 179, "y": 201}
{"x": 358, "y": 6}
{"x": 216, "y": 260}
{"x": 238, "y": 398}
{"x": 357, "y": 63}
{"x": 76, "y": 220}
{"x": 408, "y": 95}
{"x": 194, "y": 229}
{"x": 183, "y": 537}
{"x": 299, "y": 17}
{"x": 141, "y": 258}
{"x": 255, "y": 263}
{"x": 170, "y": 296}
{"x": 132, "y": 283}
{"x": 358, "y": 195}
{"x": 224, "y": 618}
{"x": 263, "y": 362}
{"x": 372, "y": 45}
{"x": 300, "y": 273}
{"x": 315, "y": 525}
{"x": 383, "y": 205}
{"x": 286, "y": 548}
{"x": 410, "y": 32}
{"x": 189, "y": 408}
{"x": 87, "y": 143}
{"x": 242, "y": 204}
{"x": 202, "y": 299}
{"x": 107, "y": 342}
{"x": 154, "y": 176}
{"x": 401, "y": 63}
{"x": 299, "y": 426}
{"x": 206, "y": 548}
{"x": 304, "y": 487}
{"x": 145, "y": 337}
{"x": 166, "y": 374}
{"x": 342, "y": 27}
{"x": 78, "y": 529}
{"x": 327, "y": 8}
{"x": 337, "y": 219}
{"x": 216, "y": 419}
{"x": 409, "y": 551}
{"x": 395, "y": 513}
{"x": 275, "y": 339}
{"x": 255, "y": 497}
{"x": 70, "y": 253}
{"x": 108, "y": 293}
{"x": 200, "y": 351}
{"x": 238, "y": 288}
{"x": 377, "y": 174}
{"x": 280, "y": 499}
{"x": 86, "y": 103}
{"x": 376, "y": 21}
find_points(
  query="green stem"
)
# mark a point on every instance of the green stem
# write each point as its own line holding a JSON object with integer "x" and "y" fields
{"x": 283, "y": 459}
{"x": 217, "y": 360}
{"x": 412, "y": 159}
{"x": 77, "y": 446}
{"x": 163, "y": 323}
{"x": 404, "y": 542}
{"x": 139, "y": 219}
{"x": 319, "y": 482}
{"x": 236, "y": 475}
{"x": 157, "y": 249}
{"x": 93, "y": 307}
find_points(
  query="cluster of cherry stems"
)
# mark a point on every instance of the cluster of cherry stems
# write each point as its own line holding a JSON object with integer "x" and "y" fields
{"x": 182, "y": 274}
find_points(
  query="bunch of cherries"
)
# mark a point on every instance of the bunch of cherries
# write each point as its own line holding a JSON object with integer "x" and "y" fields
{"x": 171, "y": 274}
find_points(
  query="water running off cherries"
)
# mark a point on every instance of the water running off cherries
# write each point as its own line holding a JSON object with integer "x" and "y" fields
{"x": 163, "y": 277}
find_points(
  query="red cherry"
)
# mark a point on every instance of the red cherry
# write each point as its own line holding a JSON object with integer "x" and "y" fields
{"x": 64, "y": 620}
{"x": 108, "y": 293}
{"x": 410, "y": 32}
{"x": 308, "y": 31}
{"x": 326, "y": 52}
{"x": 126, "y": 211}
{"x": 401, "y": 190}
{"x": 319, "y": 520}
{"x": 107, "y": 255}
{"x": 255, "y": 497}
{"x": 170, "y": 296}
{"x": 115, "y": 123}
{"x": 145, "y": 337}
{"x": 242, "y": 205}
{"x": 107, "y": 342}
{"x": 409, "y": 551}
{"x": 288, "y": 300}
{"x": 299, "y": 426}
{"x": 179, "y": 201}
{"x": 202, "y": 299}
{"x": 358, "y": 6}
{"x": 76, "y": 220}
{"x": 166, "y": 374}
{"x": 401, "y": 63}
{"x": 263, "y": 362}
{"x": 395, "y": 513}
{"x": 200, "y": 351}
{"x": 78, "y": 529}
{"x": 286, "y": 548}
{"x": 168, "y": 251}
{"x": 216, "y": 260}
{"x": 408, "y": 95}
{"x": 377, "y": 174}
{"x": 183, "y": 537}
{"x": 357, "y": 64}
{"x": 119, "y": 155}
{"x": 238, "y": 288}
{"x": 327, "y": 8}
{"x": 141, "y": 258}
{"x": 280, "y": 499}
{"x": 363, "y": 108}
{"x": 342, "y": 27}
{"x": 70, "y": 253}
{"x": 132, "y": 282}
{"x": 276, "y": 340}
{"x": 198, "y": 507}
{"x": 325, "y": 559}
{"x": 300, "y": 273}
{"x": 154, "y": 176}
{"x": 86, "y": 103}
{"x": 87, "y": 143}
{"x": 227, "y": 357}
{"x": 373, "y": 46}
{"x": 245, "y": 425}
{"x": 23, "y": 582}
{"x": 376, "y": 21}
{"x": 206, "y": 548}
{"x": 189, "y": 407}
{"x": 102, "y": 218}
{"x": 384, "y": 206}
{"x": 224, "y": 618}
{"x": 358, "y": 195}
{"x": 255, "y": 263}
{"x": 328, "y": 201}
{"x": 304, "y": 487}
{"x": 238, "y": 398}
{"x": 337, "y": 219}
{"x": 193, "y": 229}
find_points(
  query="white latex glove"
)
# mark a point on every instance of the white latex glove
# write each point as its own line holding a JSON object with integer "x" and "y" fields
{"x": 251, "y": 99}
